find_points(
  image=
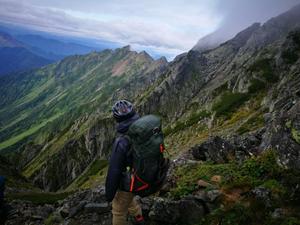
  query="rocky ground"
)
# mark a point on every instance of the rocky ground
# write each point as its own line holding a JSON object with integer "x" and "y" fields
{"x": 214, "y": 189}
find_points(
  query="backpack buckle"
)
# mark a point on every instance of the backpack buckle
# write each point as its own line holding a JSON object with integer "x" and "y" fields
{"x": 155, "y": 130}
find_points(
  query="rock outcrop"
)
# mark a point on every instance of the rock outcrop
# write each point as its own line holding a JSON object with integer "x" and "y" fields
{"x": 89, "y": 207}
{"x": 70, "y": 161}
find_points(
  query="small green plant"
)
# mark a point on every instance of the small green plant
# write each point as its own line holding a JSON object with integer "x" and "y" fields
{"x": 94, "y": 168}
{"x": 256, "y": 85}
{"x": 296, "y": 135}
{"x": 229, "y": 102}
{"x": 52, "y": 219}
{"x": 189, "y": 175}
{"x": 237, "y": 214}
{"x": 253, "y": 123}
{"x": 264, "y": 67}
{"x": 274, "y": 186}
{"x": 295, "y": 36}
{"x": 220, "y": 89}
{"x": 290, "y": 56}
{"x": 191, "y": 120}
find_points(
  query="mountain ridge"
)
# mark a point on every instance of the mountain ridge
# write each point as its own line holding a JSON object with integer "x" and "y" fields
{"x": 15, "y": 56}
{"x": 53, "y": 49}
{"x": 213, "y": 40}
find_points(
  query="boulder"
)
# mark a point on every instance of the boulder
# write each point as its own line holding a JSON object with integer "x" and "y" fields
{"x": 213, "y": 195}
{"x": 188, "y": 210}
{"x": 97, "y": 207}
{"x": 214, "y": 149}
{"x": 262, "y": 194}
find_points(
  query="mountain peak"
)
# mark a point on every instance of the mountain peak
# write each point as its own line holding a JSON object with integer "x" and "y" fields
{"x": 126, "y": 48}
{"x": 162, "y": 59}
{"x": 242, "y": 37}
{"x": 145, "y": 55}
{"x": 275, "y": 28}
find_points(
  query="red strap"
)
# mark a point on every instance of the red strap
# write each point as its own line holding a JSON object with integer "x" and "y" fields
{"x": 131, "y": 183}
{"x": 139, "y": 218}
{"x": 142, "y": 187}
{"x": 161, "y": 148}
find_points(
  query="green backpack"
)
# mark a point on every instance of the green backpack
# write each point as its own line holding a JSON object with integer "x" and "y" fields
{"x": 149, "y": 168}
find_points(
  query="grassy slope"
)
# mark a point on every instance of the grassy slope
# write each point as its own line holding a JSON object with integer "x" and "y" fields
{"x": 26, "y": 133}
{"x": 93, "y": 176}
{"x": 58, "y": 94}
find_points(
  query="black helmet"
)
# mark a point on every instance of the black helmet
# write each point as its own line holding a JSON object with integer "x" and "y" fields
{"x": 122, "y": 110}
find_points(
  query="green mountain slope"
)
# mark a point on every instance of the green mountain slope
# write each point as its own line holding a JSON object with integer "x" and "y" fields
{"x": 58, "y": 94}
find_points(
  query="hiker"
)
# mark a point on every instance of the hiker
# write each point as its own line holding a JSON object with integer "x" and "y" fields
{"x": 124, "y": 179}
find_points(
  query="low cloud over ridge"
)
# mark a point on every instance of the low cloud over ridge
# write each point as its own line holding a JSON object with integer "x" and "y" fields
{"x": 162, "y": 27}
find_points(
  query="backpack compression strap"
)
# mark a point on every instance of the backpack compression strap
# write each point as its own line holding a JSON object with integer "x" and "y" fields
{"x": 132, "y": 181}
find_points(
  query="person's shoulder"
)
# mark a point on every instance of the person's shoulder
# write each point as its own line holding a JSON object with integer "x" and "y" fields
{"x": 122, "y": 141}
{"x": 122, "y": 138}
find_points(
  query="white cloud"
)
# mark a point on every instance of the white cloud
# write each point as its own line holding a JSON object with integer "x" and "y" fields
{"x": 168, "y": 27}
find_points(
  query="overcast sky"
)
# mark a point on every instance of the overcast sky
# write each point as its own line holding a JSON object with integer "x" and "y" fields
{"x": 167, "y": 27}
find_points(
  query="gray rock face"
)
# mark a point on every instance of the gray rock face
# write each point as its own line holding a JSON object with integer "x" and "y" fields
{"x": 219, "y": 150}
{"x": 278, "y": 213}
{"x": 27, "y": 153}
{"x": 85, "y": 207}
{"x": 283, "y": 136}
{"x": 28, "y": 213}
{"x": 215, "y": 149}
{"x": 97, "y": 207}
{"x": 75, "y": 156}
{"x": 185, "y": 211}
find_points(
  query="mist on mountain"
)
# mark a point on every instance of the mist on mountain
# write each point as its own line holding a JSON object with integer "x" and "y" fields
{"x": 237, "y": 15}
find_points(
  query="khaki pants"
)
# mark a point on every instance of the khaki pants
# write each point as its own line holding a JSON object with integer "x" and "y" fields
{"x": 123, "y": 203}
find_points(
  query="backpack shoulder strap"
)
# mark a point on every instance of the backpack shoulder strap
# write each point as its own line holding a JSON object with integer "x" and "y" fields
{"x": 126, "y": 136}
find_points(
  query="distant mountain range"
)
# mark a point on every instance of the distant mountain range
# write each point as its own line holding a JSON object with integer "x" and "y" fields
{"x": 20, "y": 52}
{"x": 53, "y": 49}
{"x": 15, "y": 56}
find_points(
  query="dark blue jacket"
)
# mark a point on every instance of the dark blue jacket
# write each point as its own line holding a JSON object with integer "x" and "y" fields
{"x": 2, "y": 187}
{"x": 119, "y": 159}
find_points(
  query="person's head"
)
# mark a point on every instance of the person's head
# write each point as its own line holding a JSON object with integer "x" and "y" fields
{"x": 123, "y": 110}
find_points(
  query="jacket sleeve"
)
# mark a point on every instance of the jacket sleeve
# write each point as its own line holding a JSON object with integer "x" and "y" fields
{"x": 117, "y": 165}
